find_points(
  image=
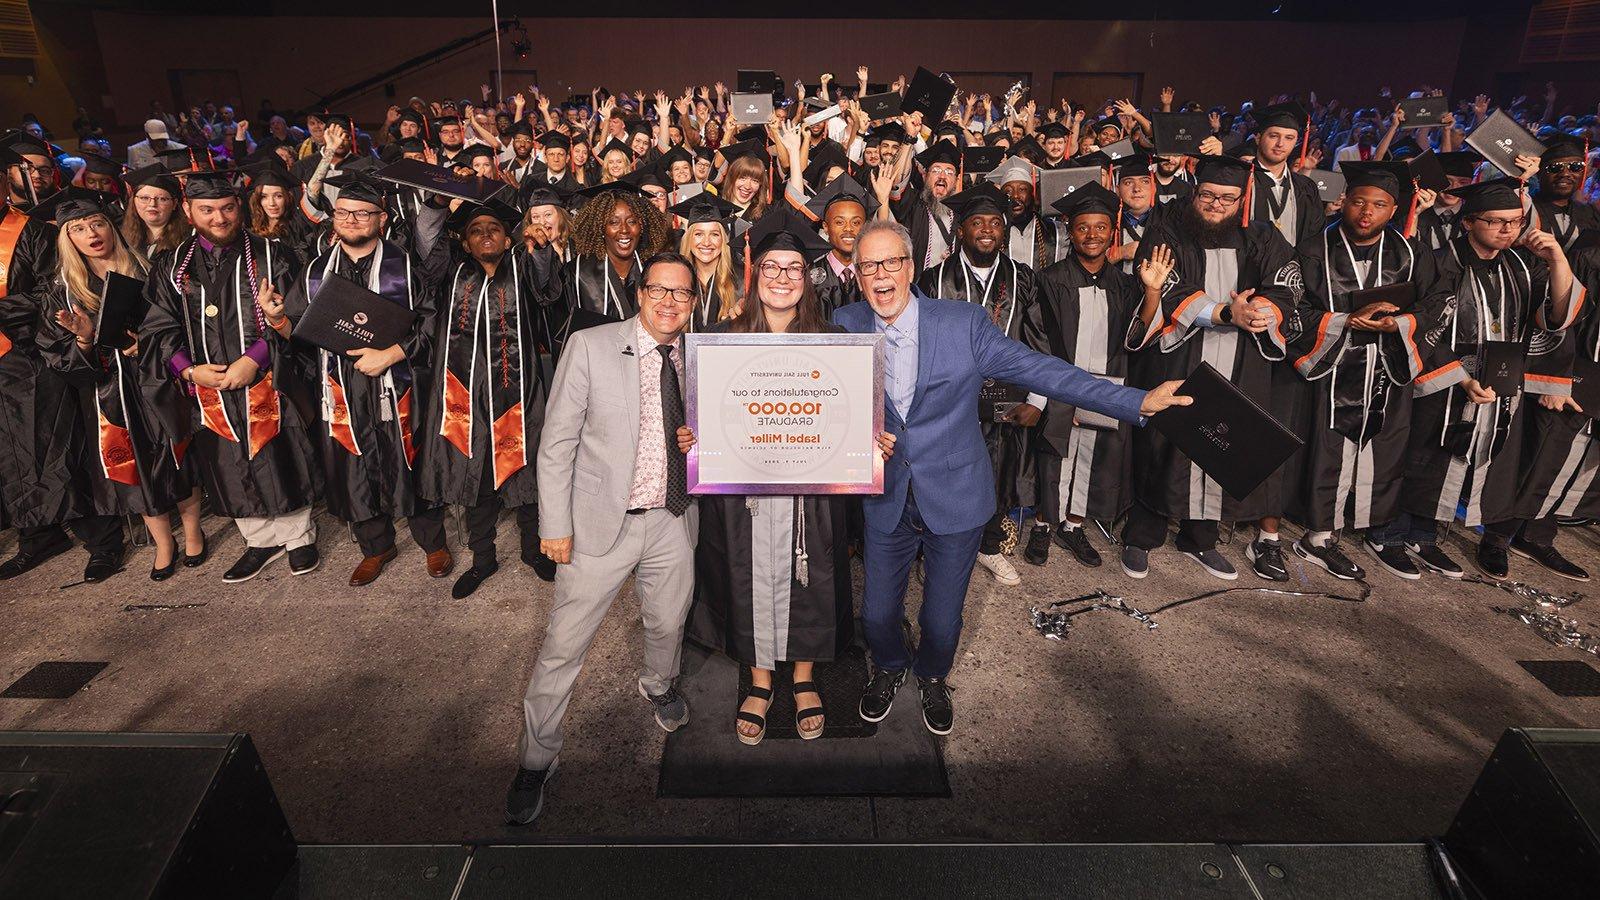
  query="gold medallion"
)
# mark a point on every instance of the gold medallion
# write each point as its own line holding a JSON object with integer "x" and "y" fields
{"x": 211, "y": 310}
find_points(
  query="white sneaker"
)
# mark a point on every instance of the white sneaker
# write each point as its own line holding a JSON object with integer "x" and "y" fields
{"x": 1001, "y": 568}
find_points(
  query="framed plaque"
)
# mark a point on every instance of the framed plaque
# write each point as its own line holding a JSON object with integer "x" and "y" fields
{"x": 784, "y": 413}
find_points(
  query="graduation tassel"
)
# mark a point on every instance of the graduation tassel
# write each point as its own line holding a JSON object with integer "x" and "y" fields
{"x": 1116, "y": 225}
{"x": 1411, "y": 214}
{"x": 747, "y": 265}
{"x": 1249, "y": 195}
{"x": 1304, "y": 146}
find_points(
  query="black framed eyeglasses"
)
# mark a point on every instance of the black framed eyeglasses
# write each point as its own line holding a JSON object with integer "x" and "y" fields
{"x": 869, "y": 267}
{"x": 660, "y": 292}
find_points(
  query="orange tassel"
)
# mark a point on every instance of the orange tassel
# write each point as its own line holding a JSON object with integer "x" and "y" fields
{"x": 747, "y": 264}
{"x": 1116, "y": 224}
{"x": 1249, "y": 195}
{"x": 1411, "y": 214}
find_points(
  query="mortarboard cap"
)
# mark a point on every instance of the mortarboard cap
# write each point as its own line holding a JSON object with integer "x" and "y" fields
{"x": 267, "y": 170}
{"x": 1390, "y": 176}
{"x": 1134, "y": 165}
{"x": 704, "y": 207}
{"x": 1091, "y": 198}
{"x": 842, "y": 188}
{"x": 1489, "y": 196}
{"x": 208, "y": 185}
{"x": 828, "y": 157}
{"x": 890, "y": 131}
{"x": 1289, "y": 115}
{"x": 756, "y": 149}
{"x": 100, "y": 165}
{"x": 1223, "y": 170}
{"x": 981, "y": 199}
{"x": 494, "y": 209}
{"x": 71, "y": 203}
{"x": 676, "y": 154}
{"x": 782, "y": 229}
{"x": 617, "y": 146}
{"x": 544, "y": 195}
{"x": 619, "y": 186}
{"x": 1053, "y": 130}
{"x": 940, "y": 152}
{"x": 1014, "y": 169}
{"x": 23, "y": 143}
{"x": 1562, "y": 148}
{"x": 154, "y": 175}
{"x": 360, "y": 187}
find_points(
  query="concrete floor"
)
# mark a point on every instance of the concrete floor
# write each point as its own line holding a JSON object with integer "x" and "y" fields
{"x": 389, "y": 713}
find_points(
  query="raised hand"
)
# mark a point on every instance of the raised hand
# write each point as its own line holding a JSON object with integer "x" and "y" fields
{"x": 1480, "y": 106}
{"x": 1154, "y": 270}
{"x": 74, "y": 320}
{"x": 271, "y": 302}
{"x": 861, "y": 73}
{"x": 1542, "y": 244}
{"x": 1167, "y": 96}
{"x": 1529, "y": 164}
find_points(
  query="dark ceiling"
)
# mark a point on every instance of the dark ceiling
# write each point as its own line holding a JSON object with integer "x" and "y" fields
{"x": 1254, "y": 10}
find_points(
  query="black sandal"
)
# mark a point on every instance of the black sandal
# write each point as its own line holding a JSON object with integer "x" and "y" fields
{"x": 760, "y": 693}
{"x": 800, "y": 715}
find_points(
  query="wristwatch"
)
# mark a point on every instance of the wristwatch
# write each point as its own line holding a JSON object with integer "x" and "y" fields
{"x": 1226, "y": 316}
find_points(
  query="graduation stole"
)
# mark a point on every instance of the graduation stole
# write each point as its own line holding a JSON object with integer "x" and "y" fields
{"x": 485, "y": 325}
{"x": 389, "y": 276}
{"x": 609, "y": 297}
{"x": 11, "y": 224}
{"x": 263, "y": 410}
{"x": 113, "y": 443}
{"x": 1358, "y": 402}
{"x": 1493, "y": 314}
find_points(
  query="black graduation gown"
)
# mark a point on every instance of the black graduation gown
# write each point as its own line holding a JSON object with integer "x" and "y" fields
{"x": 1299, "y": 215}
{"x": 1164, "y": 479}
{"x": 538, "y": 177}
{"x": 1181, "y": 185}
{"x": 123, "y": 466}
{"x": 40, "y": 427}
{"x": 592, "y": 283}
{"x": 1459, "y": 450}
{"x": 1436, "y": 229}
{"x": 1565, "y": 222}
{"x": 911, "y": 210}
{"x": 1009, "y": 297}
{"x": 267, "y": 467}
{"x": 708, "y": 307}
{"x": 834, "y": 293}
{"x": 1038, "y": 241}
{"x": 750, "y": 602}
{"x": 1354, "y": 394}
{"x": 364, "y": 429}
{"x": 489, "y": 391}
{"x": 1089, "y": 319}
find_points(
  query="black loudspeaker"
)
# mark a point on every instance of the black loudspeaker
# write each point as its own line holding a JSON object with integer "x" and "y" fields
{"x": 138, "y": 815}
{"x": 1531, "y": 826}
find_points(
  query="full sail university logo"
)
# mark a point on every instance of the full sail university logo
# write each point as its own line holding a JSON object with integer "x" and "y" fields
{"x": 1218, "y": 435}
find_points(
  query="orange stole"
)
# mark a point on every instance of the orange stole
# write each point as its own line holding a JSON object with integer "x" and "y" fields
{"x": 510, "y": 445}
{"x": 456, "y": 423}
{"x": 403, "y": 413}
{"x": 265, "y": 414}
{"x": 5, "y": 344}
{"x": 116, "y": 452}
{"x": 339, "y": 424}
{"x": 10, "y": 231}
{"x": 211, "y": 413}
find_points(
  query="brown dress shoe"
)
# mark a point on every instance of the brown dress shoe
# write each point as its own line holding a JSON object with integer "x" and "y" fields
{"x": 371, "y": 568}
{"x": 440, "y": 563}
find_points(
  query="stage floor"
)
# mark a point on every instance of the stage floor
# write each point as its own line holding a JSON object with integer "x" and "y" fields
{"x": 389, "y": 714}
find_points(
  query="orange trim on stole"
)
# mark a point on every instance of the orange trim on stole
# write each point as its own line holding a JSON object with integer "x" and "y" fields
{"x": 212, "y": 414}
{"x": 403, "y": 413}
{"x": 11, "y": 225}
{"x": 265, "y": 414}
{"x": 116, "y": 453}
{"x": 339, "y": 422}
{"x": 5, "y": 344}
{"x": 1450, "y": 366}
{"x": 510, "y": 445}
{"x": 456, "y": 423}
{"x": 1322, "y": 335}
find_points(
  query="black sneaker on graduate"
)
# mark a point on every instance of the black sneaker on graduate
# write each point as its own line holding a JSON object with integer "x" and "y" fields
{"x": 251, "y": 563}
{"x": 1077, "y": 541}
{"x": 526, "y": 797}
{"x": 937, "y": 712}
{"x": 1394, "y": 559}
{"x": 1551, "y": 559}
{"x": 1493, "y": 560}
{"x": 1135, "y": 561}
{"x": 878, "y": 697}
{"x": 1038, "y": 549}
{"x": 304, "y": 560}
{"x": 1435, "y": 560}
{"x": 1266, "y": 559}
{"x": 1215, "y": 563}
{"x": 1331, "y": 558}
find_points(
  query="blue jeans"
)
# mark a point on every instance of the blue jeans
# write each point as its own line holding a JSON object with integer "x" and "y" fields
{"x": 947, "y": 561}
{"x": 1405, "y": 529}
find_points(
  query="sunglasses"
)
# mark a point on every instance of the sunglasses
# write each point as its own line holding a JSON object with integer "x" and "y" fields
{"x": 1556, "y": 168}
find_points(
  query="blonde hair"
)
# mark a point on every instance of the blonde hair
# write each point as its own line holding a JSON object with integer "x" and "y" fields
{"x": 722, "y": 276}
{"x": 74, "y": 269}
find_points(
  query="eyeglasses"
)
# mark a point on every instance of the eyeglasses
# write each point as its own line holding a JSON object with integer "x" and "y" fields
{"x": 681, "y": 296}
{"x": 1504, "y": 224}
{"x": 870, "y": 267}
{"x": 1575, "y": 167}
{"x": 1207, "y": 198}
{"x": 362, "y": 216}
{"x": 793, "y": 271}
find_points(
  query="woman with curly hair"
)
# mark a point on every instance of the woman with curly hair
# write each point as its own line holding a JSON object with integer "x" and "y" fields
{"x": 611, "y": 234}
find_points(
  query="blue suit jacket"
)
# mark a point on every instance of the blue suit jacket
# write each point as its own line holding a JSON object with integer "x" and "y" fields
{"x": 939, "y": 445}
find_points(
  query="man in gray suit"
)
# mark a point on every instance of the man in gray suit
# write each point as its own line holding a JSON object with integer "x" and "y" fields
{"x": 613, "y": 502}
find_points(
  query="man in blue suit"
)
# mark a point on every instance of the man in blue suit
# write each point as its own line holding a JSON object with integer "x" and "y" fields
{"x": 939, "y": 488}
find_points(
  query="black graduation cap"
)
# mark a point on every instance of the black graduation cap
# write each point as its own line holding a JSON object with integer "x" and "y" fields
{"x": 1028, "y": 148}
{"x": 1489, "y": 196}
{"x": 1107, "y": 122}
{"x": 545, "y": 195}
{"x": 1459, "y": 163}
{"x": 928, "y": 94}
{"x": 640, "y": 126}
{"x": 410, "y": 115}
{"x": 842, "y": 188}
{"x": 23, "y": 143}
{"x": 644, "y": 178}
{"x": 704, "y": 207}
{"x": 1282, "y": 115}
{"x": 71, "y": 203}
{"x": 468, "y": 154}
{"x": 341, "y": 120}
{"x": 889, "y": 131}
{"x": 620, "y": 186}
{"x": 187, "y": 159}
{"x": 1223, "y": 170}
{"x": 1561, "y": 148}
{"x": 705, "y": 153}
{"x": 783, "y": 229}
{"x": 1135, "y": 165}
{"x": 1099, "y": 159}
{"x": 411, "y": 145}
{"x": 940, "y": 152}
{"x": 617, "y": 145}
{"x": 1427, "y": 172}
{"x": 830, "y": 155}
{"x": 208, "y": 185}
{"x": 676, "y": 154}
{"x": 981, "y": 160}
{"x": 359, "y": 186}
{"x": 751, "y": 133}
{"x": 948, "y": 128}
{"x": 1053, "y": 130}
{"x": 555, "y": 140}
{"x": 155, "y": 175}
{"x": 1091, "y": 198}
{"x": 981, "y": 199}
{"x": 757, "y": 149}
{"x": 267, "y": 170}
{"x": 496, "y": 209}
{"x": 1391, "y": 176}
{"x": 100, "y": 165}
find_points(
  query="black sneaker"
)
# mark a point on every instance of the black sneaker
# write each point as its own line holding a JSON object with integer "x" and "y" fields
{"x": 1573, "y": 521}
{"x": 1550, "y": 558}
{"x": 1135, "y": 561}
{"x": 879, "y": 694}
{"x": 1213, "y": 562}
{"x": 102, "y": 566}
{"x": 937, "y": 712}
{"x": 1331, "y": 558}
{"x": 1266, "y": 559}
{"x": 1393, "y": 558}
{"x": 1038, "y": 550}
{"x": 1435, "y": 560}
{"x": 1077, "y": 541}
{"x": 251, "y": 563}
{"x": 304, "y": 560}
{"x": 526, "y": 797}
{"x": 1493, "y": 560}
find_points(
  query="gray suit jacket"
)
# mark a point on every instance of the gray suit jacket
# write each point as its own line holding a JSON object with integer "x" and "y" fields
{"x": 590, "y": 440}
